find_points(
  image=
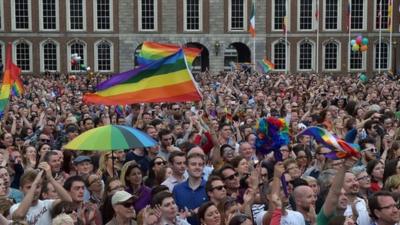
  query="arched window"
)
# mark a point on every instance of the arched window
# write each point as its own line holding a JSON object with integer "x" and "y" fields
{"x": 49, "y": 56}
{"x": 305, "y": 56}
{"x": 279, "y": 55}
{"x": 104, "y": 56}
{"x": 331, "y": 53}
{"x": 77, "y": 47}
{"x": 23, "y": 55}
{"x": 381, "y": 56}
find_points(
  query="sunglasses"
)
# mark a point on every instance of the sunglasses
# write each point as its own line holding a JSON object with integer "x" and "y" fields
{"x": 120, "y": 188}
{"x": 219, "y": 188}
{"x": 69, "y": 211}
{"x": 159, "y": 163}
{"x": 231, "y": 177}
{"x": 45, "y": 140}
{"x": 127, "y": 204}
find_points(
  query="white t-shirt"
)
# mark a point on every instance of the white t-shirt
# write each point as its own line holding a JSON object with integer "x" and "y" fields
{"x": 363, "y": 215}
{"x": 39, "y": 214}
{"x": 292, "y": 218}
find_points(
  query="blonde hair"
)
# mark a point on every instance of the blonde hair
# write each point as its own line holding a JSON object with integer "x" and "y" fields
{"x": 125, "y": 169}
{"x": 310, "y": 179}
{"x": 63, "y": 219}
{"x": 103, "y": 161}
{"x": 393, "y": 182}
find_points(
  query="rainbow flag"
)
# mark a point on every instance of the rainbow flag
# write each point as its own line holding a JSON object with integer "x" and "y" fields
{"x": 252, "y": 28}
{"x": 341, "y": 149}
{"x": 165, "y": 80}
{"x": 17, "y": 88}
{"x": 11, "y": 72}
{"x": 265, "y": 65}
{"x": 119, "y": 110}
{"x": 152, "y": 51}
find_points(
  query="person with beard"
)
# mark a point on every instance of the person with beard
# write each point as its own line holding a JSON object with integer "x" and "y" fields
{"x": 352, "y": 188}
{"x": 178, "y": 133}
{"x": 305, "y": 199}
{"x": 369, "y": 151}
{"x": 384, "y": 209}
{"x": 231, "y": 180}
{"x": 166, "y": 143}
{"x": 54, "y": 160}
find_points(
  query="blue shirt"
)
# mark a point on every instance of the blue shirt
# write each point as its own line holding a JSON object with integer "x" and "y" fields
{"x": 186, "y": 197}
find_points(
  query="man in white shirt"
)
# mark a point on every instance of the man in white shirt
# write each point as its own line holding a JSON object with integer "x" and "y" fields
{"x": 31, "y": 209}
{"x": 177, "y": 161}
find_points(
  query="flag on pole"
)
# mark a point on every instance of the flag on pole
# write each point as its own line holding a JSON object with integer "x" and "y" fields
{"x": 390, "y": 14}
{"x": 252, "y": 28}
{"x": 265, "y": 65}
{"x": 165, "y": 80}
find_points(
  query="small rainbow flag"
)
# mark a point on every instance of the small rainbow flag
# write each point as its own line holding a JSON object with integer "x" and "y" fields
{"x": 17, "y": 88}
{"x": 165, "y": 80}
{"x": 119, "y": 110}
{"x": 11, "y": 72}
{"x": 152, "y": 51}
{"x": 341, "y": 149}
{"x": 265, "y": 65}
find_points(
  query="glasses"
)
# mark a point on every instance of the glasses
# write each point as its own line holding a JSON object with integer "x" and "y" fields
{"x": 160, "y": 163}
{"x": 231, "y": 177}
{"x": 167, "y": 139}
{"x": 390, "y": 206}
{"x": 96, "y": 180}
{"x": 372, "y": 149}
{"x": 45, "y": 140}
{"x": 364, "y": 178}
{"x": 293, "y": 167}
{"x": 264, "y": 175}
{"x": 219, "y": 188}
{"x": 117, "y": 188}
{"x": 69, "y": 211}
{"x": 176, "y": 109}
{"x": 127, "y": 204}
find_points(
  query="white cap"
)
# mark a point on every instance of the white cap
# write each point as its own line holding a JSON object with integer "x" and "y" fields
{"x": 120, "y": 196}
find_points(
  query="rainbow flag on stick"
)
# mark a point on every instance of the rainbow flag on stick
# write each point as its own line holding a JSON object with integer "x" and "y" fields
{"x": 11, "y": 73}
{"x": 265, "y": 65}
{"x": 153, "y": 51}
{"x": 165, "y": 80}
{"x": 340, "y": 148}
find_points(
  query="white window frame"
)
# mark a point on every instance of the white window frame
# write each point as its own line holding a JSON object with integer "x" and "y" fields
{"x": 42, "y": 55}
{"x": 339, "y": 16}
{"x": 14, "y": 53}
{"x": 95, "y": 28}
{"x": 365, "y": 17}
{"x": 364, "y": 60}
{"x": 312, "y": 54}
{"x": 1, "y": 15}
{"x": 41, "y": 16}
{"x": 13, "y": 19}
{"x": 69, "y": 16}
{"x": 69, "y": 54}
{"x": 245, "y": 19}
{"x": 287, "y": 16}
{"x": 339, "y": 58}
{"x": 155, "y": 17}
{"x": 376, "y": 28}
{"x": 200, "y": 17}
{"x": 389, "y": 62}
{"x": 96, "y": 66}
{"x": 313, "y": 20}
{"x": 287, "y": 52}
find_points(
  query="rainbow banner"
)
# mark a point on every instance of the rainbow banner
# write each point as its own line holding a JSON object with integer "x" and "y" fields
{"x": 11, "y": 73}
{"x": 265, "y": 65}
{"x": 341, "y": 149}
{"x": 153, "y": 51}
{"x": 165, "y": 80}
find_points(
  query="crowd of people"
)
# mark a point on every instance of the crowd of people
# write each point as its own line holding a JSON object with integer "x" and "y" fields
{"x": 205, "y": 169}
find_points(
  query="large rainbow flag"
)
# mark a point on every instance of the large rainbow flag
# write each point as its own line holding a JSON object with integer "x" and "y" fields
{"x": 165, "y": 80}
{"x": 17, "y": 88}
{"x": 11, "y": 73}
{"x": 152, "y": 51}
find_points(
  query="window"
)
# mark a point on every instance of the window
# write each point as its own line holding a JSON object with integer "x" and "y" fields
{"x": 77, "y": 47}
{"x": 279, "y": 13}
{"x": 237, "y": 15}
{"x": 279, "y": 54}
{"x": 148, "y": 15}
{"x": 1, "y": 15}
{"x": 357, "y": 60}
{"x": 103, "y": 12}
{"x": 381, "y": 16}
{"x": 381, "y": 56}
{"x": 357, "y": 14}
{"x": 331, "y": 15}
{"x": 21, "y": 13}
{"x": 23, "y": 54}
{"x": 331, "y": 53}
{"x": 306, "y": 15}
{"x": 305, "y": 55}
{"x": 76, "y": 11}
{"x": 48, "y": 14}
{"x": 49, "y": 55}
{"x": 104, "y": 54}
{"x": 193, "y": 10}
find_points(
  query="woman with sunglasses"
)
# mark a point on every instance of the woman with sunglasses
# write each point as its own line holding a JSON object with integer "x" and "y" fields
{"x": 112, "y": 185}
{"x": 107, "y": 167}
{"x": 209, "y": 214}
{"x": 132, "y": 179}
{"x": 156, "y": 172}
{"x": 67, "y": 208}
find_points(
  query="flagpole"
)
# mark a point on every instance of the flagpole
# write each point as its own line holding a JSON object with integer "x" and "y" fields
{"x": 254, "y": 38}
{"x": 349, "y": 24}
{"x": 286, "y": 37}
{"x": 317, "y": 15}
{"x": 380, "y": 37}
{"x": 391, "y": 35}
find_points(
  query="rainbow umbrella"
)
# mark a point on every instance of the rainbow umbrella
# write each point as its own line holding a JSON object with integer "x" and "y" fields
{"x": 111, "y": 137}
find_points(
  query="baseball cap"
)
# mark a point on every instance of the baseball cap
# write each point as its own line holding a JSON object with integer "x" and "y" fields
{"x": 120, "y": 197}
{"x": 82, "y": 158}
